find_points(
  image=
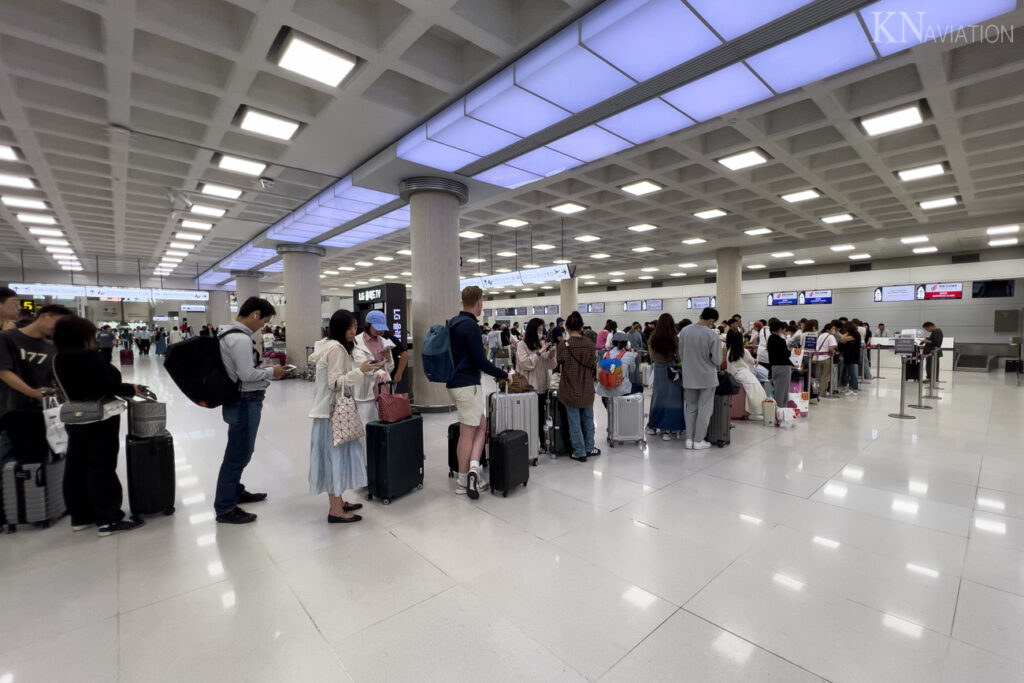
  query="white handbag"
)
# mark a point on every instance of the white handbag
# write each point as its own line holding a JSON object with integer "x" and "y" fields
{"x": 56, "y": 435}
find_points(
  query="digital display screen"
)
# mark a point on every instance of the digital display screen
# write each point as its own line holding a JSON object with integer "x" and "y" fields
{"x": 894, "y": 293}
{"x": 653, "y": 304}
{"x": 551, "y": 309}
{"x": 597, "y": 308}
{"x": 940, "y": 290}
{"x": 520, "y": 311}
{"x": 816, "y": 296}
{"x": 782, "y": 299}
{"x": 633, "y": 305}
{"x": 986, "y": 289}
{"x": 700, "y": 302}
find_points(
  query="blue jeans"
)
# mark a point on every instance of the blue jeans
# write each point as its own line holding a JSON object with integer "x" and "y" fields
{"x": 243, "y": 419}
{"x": 852, "y": 369}
{"x": 581, "y": 429}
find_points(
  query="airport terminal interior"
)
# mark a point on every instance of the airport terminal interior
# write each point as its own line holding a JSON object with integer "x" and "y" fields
{"x": 581, "y": 162}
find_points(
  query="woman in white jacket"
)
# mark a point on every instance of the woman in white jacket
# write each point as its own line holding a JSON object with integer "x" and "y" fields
{"x": 741, "y": 366}
{"x": 372, "y": 346}
{"x": 535, "y": 358}
{"x": 336, "y": 469}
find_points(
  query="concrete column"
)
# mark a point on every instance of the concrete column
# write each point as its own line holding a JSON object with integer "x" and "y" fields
{"x": 570, "y": 295}
{"x": 434, "y": 230}
{"x": 729, "y": 286}
{"x": 247, "y": 284}
{"x": 218, "y": 309}
{"x": 302, "y": 295}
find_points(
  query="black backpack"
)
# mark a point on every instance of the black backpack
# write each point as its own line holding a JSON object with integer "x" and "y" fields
{"x": 197, "y": 367}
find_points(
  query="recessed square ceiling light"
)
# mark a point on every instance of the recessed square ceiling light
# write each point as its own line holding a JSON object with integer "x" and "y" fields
{"x": 736, "y": 162}
{"x": 176, "y": 253}
{"x": 311, "y": 59}
{"x": 600, "y": 256}
{"x": 859, "y": 257}
{"x": 1004, "y": 230}
{"x": 922, "y": 172}
{"x": 650, "y": 270}
{"x": 267, "y": 124}
{"x": 687, "y": 265}
{"x": 880, "y": 124}
{"x": 196, "y": 225}
{"x": 586, "y": 238}
{"x": 221, "y": 191}
{"x": 643, "y": 227}
{"x": 404, "y": 252}
{"x": 843, "y": 247}
{"x": 190, "y": 236}
{"x": 37, "y": 218}
{"x": 24, "y": 203}
{"x": 364, "y": 264}
{"x": 240, "y": 165}
{"x": 16, "y": 181}
{"x": 1004, "y": 242}
{"x": 919, "y": 239}
{"x": 782, "y": 254}
{"x": 384, "y": 258}
{"x": 46, "y": 232}
{"x": 838, "y": 218}
{"x": 60, "y": 250}
{"x": 694, "y": 240}
{"x": 642, "y": 250}
{"x": 471, "y": 235}
{"x": 568, "y": 208}
{"x": 561, "y": 261}
{"x": 506, "y": 254}
{"x": 54, "y": 241}
{"x": 804, "y": 262}
{"x": 7, "y": 153}
{"x": 757, "y": 232}
{"x": 710, "y": 213}
{"x": 543, "y": 247}
{"x": 938, "y": 203}
{"x": 801, "y": 196}
{"x": 182, "y": 245}
{"x": 641, "y": 188}
{"x": 206, "y": 210}
{"x": 756, "y": 266}
{"x": 926, "y": 250}
{"x": 513, "y": 223}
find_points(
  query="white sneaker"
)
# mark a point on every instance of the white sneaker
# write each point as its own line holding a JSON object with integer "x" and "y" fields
{"x": 652, "y": 431}
{"x": 461, "y": 490}
{"x": 666, "y": 437}
{"x": 701, "y": 445}
{"x": 688, "y": 445}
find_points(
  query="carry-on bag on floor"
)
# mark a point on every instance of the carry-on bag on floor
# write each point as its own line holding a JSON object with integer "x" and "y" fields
{"x": 515, "y": 411}
{"x": 151, "y": 474}
{"x": 146, "y": 416}
{"x": 559, "y": 442}
{"x": 127, "y": 357}
{"x": 913, "y": 371}
{"x": 394, "y": 458}
{"x": 721, "y": 423}
{"x": 510, "y": 461}
{"x": 626, "y": 420}
{"x": 33, "y": 493}
{"x": 738, "y": 406}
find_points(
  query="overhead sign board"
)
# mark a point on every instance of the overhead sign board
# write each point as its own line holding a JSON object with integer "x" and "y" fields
{"x": 37, "y": 289}
{"x": 782, "y": 299}
{"x": 815, "y": 296}
{"x": 940, "y": 291}
{"x": 904, "y": 346}
{"x": 519, "y": 277}
{"x": 701, "y": 302}
{"x": 180, "y": 295}
{"x": 894, "y": 293}
{"x": 193, "y": 308}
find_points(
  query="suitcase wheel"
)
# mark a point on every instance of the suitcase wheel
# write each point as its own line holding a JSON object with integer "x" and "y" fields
{"x": 611, "y": 444}
{"x": 43, "y": 525}
{"x": 419, "y": 487}
{"x": 450, "y": 474}
{"x": 169, "y": 511}
{"x": 504, "y": 494}
{"x": 369, "y": 496}
{"x": 10, "y": 529}
{"x": 386, "y": 501}
{"x": 535, "y": 462}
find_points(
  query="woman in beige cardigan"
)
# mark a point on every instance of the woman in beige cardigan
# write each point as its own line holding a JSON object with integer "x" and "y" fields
{"x": 535, "y": 358}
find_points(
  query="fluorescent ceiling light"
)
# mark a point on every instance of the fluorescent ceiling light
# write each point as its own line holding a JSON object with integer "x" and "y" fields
{"x": 362, "y": 282}
{"x": 843, "y": 247}
{"x": 859, "y": 257}
{"x": 618, "y": 279}
{"x": 404, "y": 252}
{"x": 268, "y": 124}
{"x": 471, "y": 235}
{"x": 804, "y": 262}
{"x": 196, "y": 225}
{"x": 347, "y": 269}
{"x": 374, "y": 279}
{"x": 543, "y": 247}
{"x": 189, "y": 236}
{"x": 757, "y": 232}
{"x": 53, "y": 241}
{"x": 643, "y": 227}
{"x": 363, "y": 264}
{"x": 530, "y": 265}
{"x": 650, "y": 270}
{"x": 586, "y": 238}
{"x": 37, "y": 218}
{"x": 46, "y": 232}
{"x": 919, "y": 239}
{"x": 694, "y": 240}
{"x": 60, "y": 250}
{"x": 331, "y": 272}
{"x": 642, "y": 250}
{"x": 168, "y": 259}
{"x": 7, "y": 153}
{"x": 384, "y": 258}
{"x": 801, "y": 196}
{"x": 782, "y": 254}
{"x": 205, "y": 210}
{"x": 711, "y": 270}
{"x": 645, "y": 277}
{"x": 641, "y": 188}
{"x": 838, "y": 218}
{"x": 880, "y": 124}
{"x": 476, "y": 260}
{"x": 406, "y": 273}
{"x": 562, "y": 261}
{"x": 16, "y": 181}
{"x": 1004, "y": 230}
{"x": 76, "y": 269}
{"x": 182, "y": 245}
{"x": 926, "y": 250}
{"x": 24, "y": 203}
{"x": 1004, "y": 242}
{"x": 710, "y": 213}
{"x": 938, "y": 203}
{"x": 587, "y": 277}
{"x": 506, "y": 254}
{"x": 309, "y": 59}
{"x": 513, "y": 223}
{"x": 240, "y": 165}
{"x": 221, "y": 191}
{"x": 756, "y": 266}
{"x": 687, "y": 265}
{"x": 176, "y": 253}
{"x": 502, "y": 270}
{"x": 736, "y": 162}
{"x": 615, "y": 273}
{"x": 600, "y": 256}
{"x": 568, "y": 208}
{"x": 677, "y": 274}
{"x": 921, "y": 172}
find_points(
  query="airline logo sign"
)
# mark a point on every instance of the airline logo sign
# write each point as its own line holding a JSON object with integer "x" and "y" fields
{"x": 941, "y": 290}
{"x": 782, "y": 299}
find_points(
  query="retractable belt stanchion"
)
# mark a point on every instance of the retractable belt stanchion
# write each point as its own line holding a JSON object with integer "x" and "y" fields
{"x": 902, "y": 415}
{"x": 920, "y": 386}
{"x": 878, "y": 362}
{"x": 932, "y": 396}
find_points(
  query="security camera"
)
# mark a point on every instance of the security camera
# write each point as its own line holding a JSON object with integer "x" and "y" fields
{"x": 266, "y": 183}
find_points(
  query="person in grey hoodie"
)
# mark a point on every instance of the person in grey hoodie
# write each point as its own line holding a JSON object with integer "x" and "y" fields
{"x": 700, "y": 353}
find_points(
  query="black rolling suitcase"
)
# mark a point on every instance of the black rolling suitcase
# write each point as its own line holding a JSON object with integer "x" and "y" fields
{"x": 510, "y": 460}
{"x": 394, "y": 458}
{"x": 721, "y": 422}
{"x": 558, "y": 439}
{"x": 453, "y": 451}
{"x": 151, "y": 479}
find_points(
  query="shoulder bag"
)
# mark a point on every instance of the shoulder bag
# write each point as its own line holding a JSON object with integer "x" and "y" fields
{"x": 87, "y": 412}
{"x": 346, "y": 424}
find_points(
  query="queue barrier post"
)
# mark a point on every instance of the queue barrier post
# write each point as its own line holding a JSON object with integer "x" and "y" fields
{"x": 902, "y": 415}
{"x": 878, "y": 363}
{"x": 920, "y": 387}
{"x": 932, "y": 396}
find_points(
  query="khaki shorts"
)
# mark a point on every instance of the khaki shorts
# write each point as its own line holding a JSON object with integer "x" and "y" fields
{"x": 469, "y": 402}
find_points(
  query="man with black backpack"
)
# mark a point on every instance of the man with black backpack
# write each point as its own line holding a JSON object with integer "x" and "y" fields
{"x": 242, "y": 363}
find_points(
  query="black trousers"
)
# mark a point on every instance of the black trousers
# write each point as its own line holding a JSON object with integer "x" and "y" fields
{"x": 92, "y": 491}
{"x": 108, "y": 354}
{"x": 144, "y": 347}
{"x": 542, "y": 413}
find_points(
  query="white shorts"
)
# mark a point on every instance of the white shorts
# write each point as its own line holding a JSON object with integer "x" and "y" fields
{"x": 469, "y": 402}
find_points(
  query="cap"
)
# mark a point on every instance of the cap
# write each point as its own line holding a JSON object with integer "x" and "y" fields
{"x": 758, "y": 325}
{"x": 376, "y": 318}
{"x": 560, "y": 320}
{"x": 619, "y": 336}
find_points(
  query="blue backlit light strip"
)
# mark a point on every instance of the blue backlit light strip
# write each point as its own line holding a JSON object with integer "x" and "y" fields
{"x": 377, "y": 227}
{"x": 340, "y": 203}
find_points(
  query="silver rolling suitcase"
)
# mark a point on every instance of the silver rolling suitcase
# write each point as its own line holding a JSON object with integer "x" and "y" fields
{"x": 626, "y": 420}
{"x": 721, "y": 421}
{"x": 519, "y": 412}
{"x": 33, "y": 493}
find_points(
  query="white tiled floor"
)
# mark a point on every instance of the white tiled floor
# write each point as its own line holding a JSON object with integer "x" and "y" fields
{"x": 853, "y": 548}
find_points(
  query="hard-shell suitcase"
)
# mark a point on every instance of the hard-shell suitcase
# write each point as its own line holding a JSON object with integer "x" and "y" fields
{"x": 738, "y": 406}
{"x": 559, "y": 442}
{"x": 510, "y": 460}
{"x": 151, "y": 479}
{"x": 626, "y": 420}
{"x": 394, "y": 458}
{"x": 518, "y": 412}
{"x": 913, "y": 372}
{"x": 127, "y": 357}
{"x": 33, "y": 492}
{"x": 721, "y": 423}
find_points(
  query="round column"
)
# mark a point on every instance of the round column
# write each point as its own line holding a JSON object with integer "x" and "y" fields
{"x": 434, "y": 230}
{"x": 729, "y": 282}
{"x": 218, "y": 309}
{"x": 302, "y": 296}
{"x": 247, "y": 284}
{"x": 569, "y": 296}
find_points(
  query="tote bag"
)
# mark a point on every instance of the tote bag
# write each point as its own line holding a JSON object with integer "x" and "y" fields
{"x": 345, "y": 423}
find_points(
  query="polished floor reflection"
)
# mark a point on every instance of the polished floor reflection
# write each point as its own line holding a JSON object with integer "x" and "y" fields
{"x": 854, "y": 547}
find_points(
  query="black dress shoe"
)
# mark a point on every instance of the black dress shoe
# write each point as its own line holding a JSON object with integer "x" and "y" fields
{"x": 331, "y": 519}
{"x": 352, "y": 507}
{"x": 236, "y": 516}
{"x": 596, "y": 451}
{"x": 250, "y": 497}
